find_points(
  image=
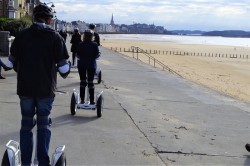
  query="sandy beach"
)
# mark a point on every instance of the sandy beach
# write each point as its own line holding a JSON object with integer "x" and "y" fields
{"x": 222, "y": 72}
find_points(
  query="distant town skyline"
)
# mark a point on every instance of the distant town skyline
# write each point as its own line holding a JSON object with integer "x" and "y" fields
{"x": 206, "y": 15}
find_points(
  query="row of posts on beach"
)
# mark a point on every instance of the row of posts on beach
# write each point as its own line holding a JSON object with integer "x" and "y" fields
{"x": 162, "y": 52}
{"x": 137, "y": 51}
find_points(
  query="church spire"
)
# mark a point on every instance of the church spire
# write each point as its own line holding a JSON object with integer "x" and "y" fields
{"x": 112, "y": 20}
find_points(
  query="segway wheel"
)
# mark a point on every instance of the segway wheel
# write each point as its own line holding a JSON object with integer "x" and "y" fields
{"x": 99, "y": 106}
{"x": 73, "y": 104}
{"x": 62, "y": 160}
{"x": 5, "y": 160}
{"x": 247, "y": 146}
{"x": 99, "y": 77}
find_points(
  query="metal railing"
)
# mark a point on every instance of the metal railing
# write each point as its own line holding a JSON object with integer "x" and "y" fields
{"x": 137, "y": 50}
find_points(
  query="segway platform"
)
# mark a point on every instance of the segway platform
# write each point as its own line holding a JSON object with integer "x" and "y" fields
{"x": 12, "y": 155}
{"x": 76, "y": 104}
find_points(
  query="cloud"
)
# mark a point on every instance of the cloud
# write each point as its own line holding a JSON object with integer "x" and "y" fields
{"x": 202, "y": 14}
{"x": 229, "y": 11}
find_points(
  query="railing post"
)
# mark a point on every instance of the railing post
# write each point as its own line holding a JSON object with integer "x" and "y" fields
{"x": 133, "y": 51}
{"x": 137, "y": 51}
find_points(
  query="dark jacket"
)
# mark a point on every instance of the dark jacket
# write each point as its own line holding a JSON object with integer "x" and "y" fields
{"x": 87, "y": 52}
{"x": 36, "y": 51}
{"x": 63, "y": 34}
{"x": 75, "y": 40}
{"x": 97, "y": 38}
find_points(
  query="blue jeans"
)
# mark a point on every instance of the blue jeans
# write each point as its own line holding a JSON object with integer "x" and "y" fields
{"x": 41, "y": 107}
{"x": 1, "y": 64}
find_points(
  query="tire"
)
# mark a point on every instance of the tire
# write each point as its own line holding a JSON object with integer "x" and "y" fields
{"x": 62, "y": 160}
{"x": 73, "y": 104}
{"x": 99, "y": 77}
{"x": 99, "y": 106}
{"x": 5, "y": 160}
{"x": 247, "y": 146}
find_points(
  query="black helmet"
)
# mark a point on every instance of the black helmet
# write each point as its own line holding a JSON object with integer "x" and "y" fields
{"x": 76, "y": 30}
{"x": 92, "y": 26}
{"x": 88, "y": 35}
{"x": 42, "y": 10}
{"x": 88, "y": 32}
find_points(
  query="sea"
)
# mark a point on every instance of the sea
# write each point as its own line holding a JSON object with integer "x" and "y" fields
{"x": 183, "y": 39}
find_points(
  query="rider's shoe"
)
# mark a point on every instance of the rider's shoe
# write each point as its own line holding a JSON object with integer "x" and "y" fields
{"x": 1, "y": 77}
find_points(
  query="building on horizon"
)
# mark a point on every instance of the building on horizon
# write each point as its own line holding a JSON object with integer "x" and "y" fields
{"x": 112, "y": 23}
{"x": 112, "y": 27}
{"x": 81, "y": 25}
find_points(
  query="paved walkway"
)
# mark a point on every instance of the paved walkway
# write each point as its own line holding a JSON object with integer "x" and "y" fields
{"x": 151, "y": 117}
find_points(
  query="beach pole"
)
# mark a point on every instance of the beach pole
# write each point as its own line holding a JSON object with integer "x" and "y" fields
{"x": 137, "y": 51}
{"x": 133, "y": 51}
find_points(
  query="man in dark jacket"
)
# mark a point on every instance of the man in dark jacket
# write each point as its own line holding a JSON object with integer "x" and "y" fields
{"x": 75, "y": 40}
{"x": 37, "y": 53}
{"x": 96, "y": 35}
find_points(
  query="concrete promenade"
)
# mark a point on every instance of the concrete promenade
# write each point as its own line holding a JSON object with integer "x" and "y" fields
{"x": 151, "y": 117}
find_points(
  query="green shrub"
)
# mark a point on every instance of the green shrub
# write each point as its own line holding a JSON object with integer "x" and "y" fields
{"x": 3, "y": 21}
{"x": 15, "y": 25}
{"x": 27, "y": 20}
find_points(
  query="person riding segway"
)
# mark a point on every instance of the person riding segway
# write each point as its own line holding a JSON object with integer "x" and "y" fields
{"x": 37, "y": 53}
{"x": 96, "y": 35}
{"x": 87, "y": 53}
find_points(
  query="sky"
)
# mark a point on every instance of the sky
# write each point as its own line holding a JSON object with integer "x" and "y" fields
{"x": 206, "y": 15}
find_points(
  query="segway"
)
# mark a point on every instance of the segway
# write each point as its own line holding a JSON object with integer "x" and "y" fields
{"x": 12, "y": 155}
{"x": 98, "y": 75}
{"x": 76, "y": 104}
{"x": 247, "y": 146}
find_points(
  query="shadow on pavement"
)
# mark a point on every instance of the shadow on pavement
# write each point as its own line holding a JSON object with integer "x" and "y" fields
{"x": 73, "y": 120}
{"x": 247, "y": 161}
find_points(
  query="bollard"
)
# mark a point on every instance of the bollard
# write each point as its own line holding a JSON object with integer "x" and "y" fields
{"x": 4, "y": 43}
